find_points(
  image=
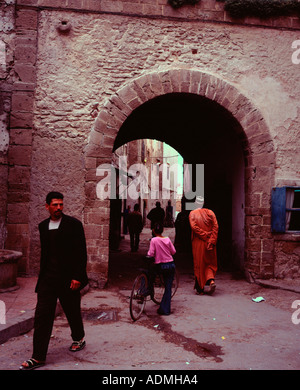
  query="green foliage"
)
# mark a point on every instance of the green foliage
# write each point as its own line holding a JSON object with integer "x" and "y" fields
{"x": 180, "y": 3}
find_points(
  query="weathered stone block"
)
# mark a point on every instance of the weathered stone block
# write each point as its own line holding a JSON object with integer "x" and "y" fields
{"x": 27, "y": 2}
{"x": 90, "y": 163}
{"x": 26, "y": 19}
{"x": 96, "y": 138}
{"x": 91, "y": 5}
{"x": 156, "y": 83}
{"x": 195, "y": 82}
{"x": 20, "y": 137}
{"x": 19, "y": 175}
{"x": 22, "y": 101}
{"x": 175, "y": 78}
{"x": 17, "y": 213}
{"x": 150, "y": 9}
{"x": 53, "y": 3}
{"x": 98, "y": 218}
{"x": 20, "y": 155}
{"x": 267, "y": 245}
{"x": 108, "y": 6}
{"x": 185, "y": 80}
{"x": 76, "y": 4}
{"x": 253, "y": 244}
{"x": 92, "y": 232}
{"x": 25, "y": 54}
{"x": 26, "y": 73}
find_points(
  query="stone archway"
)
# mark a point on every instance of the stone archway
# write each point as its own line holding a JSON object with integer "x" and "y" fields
{"x": 258, "y": 152}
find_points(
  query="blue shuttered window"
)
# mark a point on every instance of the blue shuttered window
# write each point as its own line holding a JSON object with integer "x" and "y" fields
{"x": 285, "y": 209}
{"x": 278, "y": 210}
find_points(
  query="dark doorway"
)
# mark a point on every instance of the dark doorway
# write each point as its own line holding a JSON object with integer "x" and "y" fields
{"x": 203, "y": 132}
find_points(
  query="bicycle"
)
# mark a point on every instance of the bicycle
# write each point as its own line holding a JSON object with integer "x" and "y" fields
{"x": 140, "y": 294}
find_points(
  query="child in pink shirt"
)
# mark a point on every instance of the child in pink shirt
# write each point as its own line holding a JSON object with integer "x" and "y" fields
{"x": 162, "y": 249}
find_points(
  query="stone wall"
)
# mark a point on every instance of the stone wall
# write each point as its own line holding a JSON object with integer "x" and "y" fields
{"x": 63, "y": 80}
{"x": 287, "y": 256}
{"x": 20, "y": 140}
{"x": 7, "y": 35}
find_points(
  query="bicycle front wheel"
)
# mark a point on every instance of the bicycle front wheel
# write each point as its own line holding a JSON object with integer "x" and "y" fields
{"x": 138, "y": 296}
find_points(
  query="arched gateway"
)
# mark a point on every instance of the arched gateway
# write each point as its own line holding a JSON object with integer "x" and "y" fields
{"x": 250, "y": 130}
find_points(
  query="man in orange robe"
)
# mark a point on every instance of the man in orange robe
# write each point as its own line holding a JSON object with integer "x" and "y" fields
{"x": 205, "y": 228}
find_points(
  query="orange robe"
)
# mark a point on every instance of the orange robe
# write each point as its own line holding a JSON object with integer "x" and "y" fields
{"x": 204, "y": 235}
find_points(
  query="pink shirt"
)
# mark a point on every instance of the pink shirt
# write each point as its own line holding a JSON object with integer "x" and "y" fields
{"x": 161, "y": 249}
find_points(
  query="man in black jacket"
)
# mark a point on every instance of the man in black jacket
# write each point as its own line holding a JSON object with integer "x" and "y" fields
{"x": 156, "y": 215}
{"x": 62, "y": 275}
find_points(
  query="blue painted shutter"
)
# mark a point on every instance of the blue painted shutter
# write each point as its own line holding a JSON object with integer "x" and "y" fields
{"x": 278, "y": 209}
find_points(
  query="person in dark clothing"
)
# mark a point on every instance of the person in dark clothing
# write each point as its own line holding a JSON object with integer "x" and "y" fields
{"x": 135, "y": 226}
{"x": 169, "y": 221}
{"x": 125, "y": 219}
{"x": 62, "y": 276}
{"x": 156, "y": 215}
{"x": 183, "y": 232}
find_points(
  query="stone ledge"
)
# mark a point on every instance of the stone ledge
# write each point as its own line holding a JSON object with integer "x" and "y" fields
{"x": 287, "y": 237}
{"x": 16, "y": 326}
{"x": 205, "y": 11}
{"x": 287, "y": 285}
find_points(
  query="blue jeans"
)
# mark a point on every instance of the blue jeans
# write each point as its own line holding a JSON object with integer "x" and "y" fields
{"x": 168, "y": 271}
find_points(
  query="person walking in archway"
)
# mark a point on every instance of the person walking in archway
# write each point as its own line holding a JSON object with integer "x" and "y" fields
{"x": 205, "y": 228}
{"x": 169, "y": 221}
{"x": 135, "y": 226}
{"x": 156, "y": 215}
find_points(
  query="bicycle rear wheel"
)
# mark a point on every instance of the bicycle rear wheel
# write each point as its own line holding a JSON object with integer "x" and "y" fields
{"x": 138, "y": 296}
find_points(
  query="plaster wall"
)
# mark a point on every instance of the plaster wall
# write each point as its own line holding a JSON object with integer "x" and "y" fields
{"x": 86, "y": 67}
{"x": 67, "y": 92}
{"x": 78, "y": 72}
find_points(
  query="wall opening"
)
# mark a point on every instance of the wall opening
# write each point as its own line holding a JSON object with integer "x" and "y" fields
{"x": 209, "y": 121}
{"x": 203, "y": 132}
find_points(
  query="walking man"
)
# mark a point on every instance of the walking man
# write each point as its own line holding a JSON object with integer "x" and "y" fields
{"x": 62, "y": 276}
{"x": 205, "y": 228}
{"x": 135, "y": 226}
{"x": 156, "y": 215}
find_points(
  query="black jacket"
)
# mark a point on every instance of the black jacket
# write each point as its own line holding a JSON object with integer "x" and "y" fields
{"x": 72, "y": 252}
{"x": 155, "y": 215}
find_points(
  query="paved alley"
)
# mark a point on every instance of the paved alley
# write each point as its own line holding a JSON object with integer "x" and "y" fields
{"x": 225, "y": 331}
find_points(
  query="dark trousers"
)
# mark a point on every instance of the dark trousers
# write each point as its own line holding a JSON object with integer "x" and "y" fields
{"x": 134, "y": 241}
{"x": 45, "y": 314}
{"x": 167, "y": 270}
